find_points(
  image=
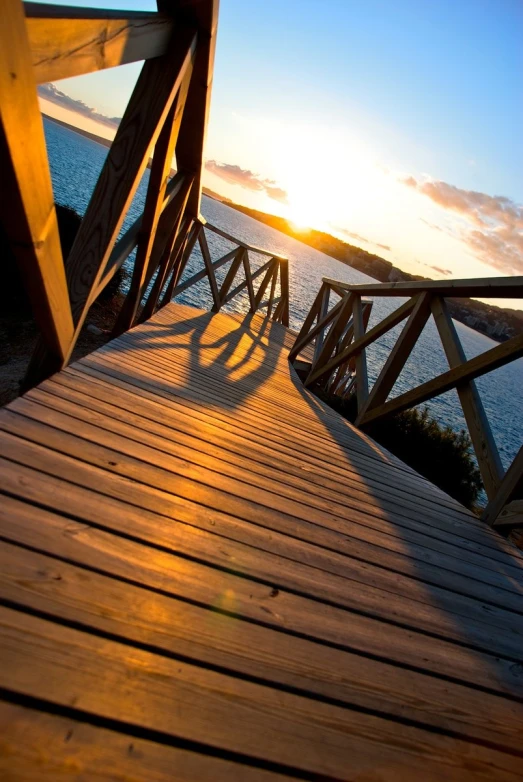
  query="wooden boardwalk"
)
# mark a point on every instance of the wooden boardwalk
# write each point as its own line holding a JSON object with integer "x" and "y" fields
{"x": 207, "y": 574}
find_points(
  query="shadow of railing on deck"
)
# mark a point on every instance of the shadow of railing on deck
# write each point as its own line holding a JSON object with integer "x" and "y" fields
{"x": 469, "y": 576}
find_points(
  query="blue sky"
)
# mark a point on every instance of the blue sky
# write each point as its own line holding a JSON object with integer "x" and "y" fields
{"x": 354, "y": 99}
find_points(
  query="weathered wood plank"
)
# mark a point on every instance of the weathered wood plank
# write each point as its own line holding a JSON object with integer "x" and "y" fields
{"x": 44, "y": 747}
{"x": 378, "y": 594}
{"x": 175, "y": 627}
{"x": 68, "y": 42}
{"x": 257, "y": 474}
{"x": 62, "y": 665}
{"x": 158, "y": 570}
{"x": 179, "y": 414}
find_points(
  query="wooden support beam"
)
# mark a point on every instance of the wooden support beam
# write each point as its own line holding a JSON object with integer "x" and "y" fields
{"x": 67, "y": 41}
{"x": 243, "y": 285}
{"x": 230, "y": 238}
{"x": 473, "y": 410}
{"x": 511, "y": 515}
{"x": 144, "y": 117}
{"x": 181, "y": 260}
{"x": 374, "y": 333}
{"x": 284, "y": 286}
{"x": 126, "y": 243}
{"x": 398, "y": 356}
{"x": 475, "y": 367}
{"x": 27, "y": 209}
{"x": 362, "y": 380}
{"x": 156, "y": 194}
{"x": 511, "y": 488}
{"x": 191, "y": 141}
{"x": 170, "y": 252}
{"x": 274, "y": 279}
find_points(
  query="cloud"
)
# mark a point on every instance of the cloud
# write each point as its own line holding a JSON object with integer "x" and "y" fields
{"x": 52, "y": 93}
{"x": 359, "y": 238}
{"x": 247, "y": 179}
{"x": 438, "y": 269}
{"x": 497, "y": 236}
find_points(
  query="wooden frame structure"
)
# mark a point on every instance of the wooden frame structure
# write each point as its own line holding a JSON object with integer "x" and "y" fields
{"x": 338, "y": 332}
{"x": 166, "y": 116}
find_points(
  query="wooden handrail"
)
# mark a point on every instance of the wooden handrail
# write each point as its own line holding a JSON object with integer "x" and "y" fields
{"x": 338, "y": 331}
{"x": 230, "y": 238}
{"x": 488, "y": 287}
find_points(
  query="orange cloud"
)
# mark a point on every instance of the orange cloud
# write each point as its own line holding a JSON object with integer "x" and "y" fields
{"x": 497, "y": 238}
{"x": 247, "y": 179}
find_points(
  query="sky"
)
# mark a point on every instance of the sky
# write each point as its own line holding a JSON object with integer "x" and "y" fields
{"x": 393, "y": 124}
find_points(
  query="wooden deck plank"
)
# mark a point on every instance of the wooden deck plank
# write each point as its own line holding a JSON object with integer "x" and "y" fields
{"x": 374, "y": 457}
{"x": 373, "y": 591}
{"x": 200, "y": 556}
{"x": 41, "y": 747}
{"x": 81, "y": 672}
{"x": 241, "y": 500}
{"x": 206, "y": 450}
{"x": 316, "y": 473}
{"x": 173, "y": 627}
{"x": 448, "y": 523}
{"x": 83, "y": 537}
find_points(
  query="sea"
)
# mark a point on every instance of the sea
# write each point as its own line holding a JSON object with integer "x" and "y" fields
{"x": 76, "y": 162}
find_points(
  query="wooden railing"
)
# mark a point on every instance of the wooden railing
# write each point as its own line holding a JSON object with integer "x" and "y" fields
{"x": 272, "y": 275}
{"x": 166, "y": 116}
{"x": 338, "y": 332}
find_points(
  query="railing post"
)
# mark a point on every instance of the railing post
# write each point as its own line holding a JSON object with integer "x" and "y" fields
{"x": 510, "y": 490}
{"x": 362, "y": 380}
{"x": 324, "y": 308}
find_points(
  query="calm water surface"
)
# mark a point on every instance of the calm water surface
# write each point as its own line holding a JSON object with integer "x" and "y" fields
{"x": 75, "y": 164}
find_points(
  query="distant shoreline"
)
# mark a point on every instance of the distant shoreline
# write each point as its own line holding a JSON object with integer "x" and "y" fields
{"x": 105, "y": 142}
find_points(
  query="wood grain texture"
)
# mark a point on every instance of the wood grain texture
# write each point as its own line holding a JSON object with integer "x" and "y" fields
{"x": 200, "y": 557}
{"x": 71, "y": 45}
{"x": 27, "y": 206}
